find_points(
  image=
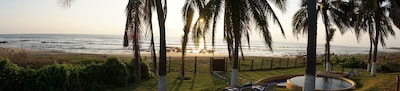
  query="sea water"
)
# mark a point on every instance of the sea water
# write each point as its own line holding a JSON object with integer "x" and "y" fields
{"x": 112, "y": 44}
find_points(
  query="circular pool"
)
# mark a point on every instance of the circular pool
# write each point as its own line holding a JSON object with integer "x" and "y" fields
{"x": 322, "y": 83}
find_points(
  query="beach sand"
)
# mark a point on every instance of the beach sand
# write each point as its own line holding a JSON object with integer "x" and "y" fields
{"x": 29, "y": 57}
{"x": 39, "y": 58}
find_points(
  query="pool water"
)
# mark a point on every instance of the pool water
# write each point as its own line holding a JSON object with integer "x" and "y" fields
{"x": 323, "y": 83}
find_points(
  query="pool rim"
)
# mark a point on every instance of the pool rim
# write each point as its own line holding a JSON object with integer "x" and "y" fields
{"x": 292, "y": 86}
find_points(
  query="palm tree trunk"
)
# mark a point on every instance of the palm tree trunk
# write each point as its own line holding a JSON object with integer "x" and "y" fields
{"x": 204, "y": 41}
{"x": 183, "y": 64}
{"x": 136, "y": 46}
{"x": 153, "y": 50}
{"x": 184, "y": 43}
{"x": 376, "y": 41}
{"x": 149, "y": 4}
{"x": 329, "y": 57}
{"x": 137, "y": 61}
{"x": 235, "y": 69}
{"x": 236, "y": 34}
{"x": 369, "y": 55}
{"x": 162, "y": 79}
{"x": 213, "y": 34}
{"x": 327, "y": 34}
{"x": 309, "y": 82}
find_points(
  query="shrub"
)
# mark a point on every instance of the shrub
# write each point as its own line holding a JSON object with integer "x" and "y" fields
{"x": 110, "y": 74}
{"x": 93, "y": 75}
{"x": 351, "y": 62}
{"x": 90, "y": 61}
{"x": 388, "y": 67}
{"x": 66, "y": 77}
{"x": 116, "y": 72}
{"x": 28, "y": 80}
{"x": 53, "y": 77}
{"x": 8, "y": 75}
{"x": 144, "y": 69}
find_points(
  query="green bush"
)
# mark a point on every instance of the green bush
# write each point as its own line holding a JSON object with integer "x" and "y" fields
{"x": 111, "y": 73}
{"x": 65, "y": 77}
{"x": 351, "y": 62}
{"x": 9, "y": 79}
{"x": 28, "y": 79}
{"x": 53, "y": 77}
{"x": 90, "y": 61}
{"x": 144, "y": 69}
{"x": 388, "y": 67}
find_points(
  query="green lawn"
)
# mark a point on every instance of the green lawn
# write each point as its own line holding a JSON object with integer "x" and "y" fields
{"x": 208, "y": 82}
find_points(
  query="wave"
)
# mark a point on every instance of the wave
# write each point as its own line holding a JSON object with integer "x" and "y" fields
{"x": 101, "y": 44}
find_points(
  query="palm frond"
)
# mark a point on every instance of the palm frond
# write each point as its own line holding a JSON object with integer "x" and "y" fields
{"x": 300, "y": 22}
{"x": 281, "y": 4}
{"x": 65, "y": 3}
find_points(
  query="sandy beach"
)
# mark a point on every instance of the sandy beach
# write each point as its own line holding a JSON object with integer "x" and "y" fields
{"x": 38, "y": 58}
{"x": 26, "y": 57}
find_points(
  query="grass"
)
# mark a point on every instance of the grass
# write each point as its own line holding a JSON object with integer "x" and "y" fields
{"x": 204, "y": 81}
{"x": 382, "y": 82}
{"x": 198, "y": 82}
{"x": 208, "y": 82}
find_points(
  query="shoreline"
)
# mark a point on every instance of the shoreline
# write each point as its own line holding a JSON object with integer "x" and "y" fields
{"x": 11, "y": 52}
{"x": 31, "y": 58}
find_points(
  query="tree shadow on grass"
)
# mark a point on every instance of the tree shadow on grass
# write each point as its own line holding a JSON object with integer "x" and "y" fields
{"x": 176, "y": 86}
{"x": 217, "y": 81}
{"x": 193, "y": 80}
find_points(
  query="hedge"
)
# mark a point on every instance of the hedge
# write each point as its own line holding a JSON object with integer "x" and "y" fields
{"x": 67, "y": 77}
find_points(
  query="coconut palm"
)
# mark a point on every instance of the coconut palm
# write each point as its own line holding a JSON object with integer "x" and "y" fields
{"x": 201, "y": 25}
{"x": 162, "y": 73}
{"x": 138, "y": 15}
{"x": 371, "y": 18}
{"x": 133, "y": 33}
{"x": 332, "y": 11}
{"x": 395, "y": 12}
{"x": 309, "y": 82}
{"x": 238, "y": 15}
{"x": 383, "y": 26}
{"x": 364, "y": 23}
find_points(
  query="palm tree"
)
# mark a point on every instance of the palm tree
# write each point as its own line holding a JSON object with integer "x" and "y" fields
{"x": 162, "y": 14}
{"x": 149, "y": 5}
{"x": 139, "y": 14}
{"x": 332, "y": 11}
{"x": 136, "y": 17}
{"x": 208, "y": 16}
{"x": 395, "y": 12}
{"x": 133, "y": 33}
{"x": 238, "y": 14}
{"x": 309, "y": 82}
{"x": 382, "y": 26}
{"x": 364, "y": 21}
{"x": 371, "y": 18}
{"x": 237, "y": 18}
{"x": 133, "y": 23}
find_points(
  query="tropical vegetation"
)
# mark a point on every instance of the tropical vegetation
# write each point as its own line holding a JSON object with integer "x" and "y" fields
{"x": 238, "y": 16}
{"x": 333, "y": 13}
{"x": 369, "y": 16}
{"x": 60, "y": 77}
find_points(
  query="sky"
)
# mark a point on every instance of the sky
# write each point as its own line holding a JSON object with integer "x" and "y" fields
{"x": 108, "y": 17}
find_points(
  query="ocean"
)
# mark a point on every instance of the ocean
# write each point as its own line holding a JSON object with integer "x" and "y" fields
{"x": 112, "y": 44}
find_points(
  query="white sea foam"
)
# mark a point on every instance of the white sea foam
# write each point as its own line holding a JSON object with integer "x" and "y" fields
{"x": 112, "y": 44}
